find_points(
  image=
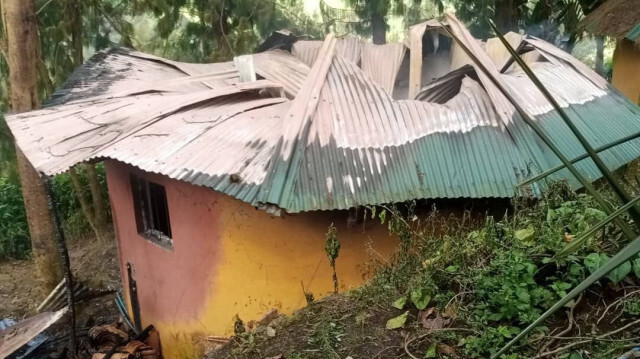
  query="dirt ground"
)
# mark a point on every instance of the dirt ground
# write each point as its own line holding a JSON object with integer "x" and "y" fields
{"x": 93, "y": 263}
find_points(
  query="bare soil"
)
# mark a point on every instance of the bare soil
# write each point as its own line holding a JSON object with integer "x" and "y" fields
{"x": 360, "y": 331}
{"x": 94, "y": 263}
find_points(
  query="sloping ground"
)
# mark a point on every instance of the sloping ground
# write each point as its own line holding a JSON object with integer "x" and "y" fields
{"x": 93, "y": 262}
{"x": 465, "y": 292}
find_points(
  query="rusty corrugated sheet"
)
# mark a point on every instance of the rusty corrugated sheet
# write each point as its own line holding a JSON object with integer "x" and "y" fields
{"x": 381, "y": 63}
{"x": 119, "y": 70}
{"x": 14, "y": 337}
{"x": 281, "y": 67}
{"x": 348, "y": 47}
{"x": 342, "y": 141}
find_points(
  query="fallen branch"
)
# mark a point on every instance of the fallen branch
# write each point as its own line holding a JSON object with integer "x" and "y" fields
{"x": 419, "y": 337}
{"x": 602, "y": 337}
{"x": 614, "y": 303}
{"x": 569, "y": 327}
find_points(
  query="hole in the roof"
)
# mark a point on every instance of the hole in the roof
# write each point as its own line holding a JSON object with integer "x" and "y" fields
{"x": 436, "y": 62}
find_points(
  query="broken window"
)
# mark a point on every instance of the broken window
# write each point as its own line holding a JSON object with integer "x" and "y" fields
{"x": 152, "y": 211}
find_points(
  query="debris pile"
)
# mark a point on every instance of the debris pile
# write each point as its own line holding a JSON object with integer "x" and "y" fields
{"x": 113, "y": 341}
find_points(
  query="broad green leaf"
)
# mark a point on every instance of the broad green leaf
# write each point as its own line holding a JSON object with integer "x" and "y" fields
{"x": 451, "y": 269}
{"x": 431, "y": 353}
{"x": 526, "y": 236}
{"x": 628, "y": 252}
{"x": 594, "y": 261}
{"x": 420, "y": 298}
{"x": 596, "y": 213}
{"x": 397, "y": 322}
{"x": 383, "y": 216}
{"x": 400, "y": 303}
{"x": 620, "y": 272}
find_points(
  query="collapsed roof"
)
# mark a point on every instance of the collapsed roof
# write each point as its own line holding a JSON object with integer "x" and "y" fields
{"x": 329, "y": 125}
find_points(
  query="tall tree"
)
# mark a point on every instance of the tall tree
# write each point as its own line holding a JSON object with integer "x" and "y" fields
{"x": 217, "y": 30}
{"x": 67, "y": 28}
{"x": 95, "y": 210}
{"x": 587, "y": 7}
{"x": 19, "y": 19}
{"x": 373, "y": 15}
{"x": 505, "y": 14}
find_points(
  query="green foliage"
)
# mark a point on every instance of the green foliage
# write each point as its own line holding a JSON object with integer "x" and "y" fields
{"x": 332, "y": 245}
{"x": 399, "y": 303}
{"x": 73, "y": 219}
{"x": 8, "y": 166}
{"x": 397, "y": 322}
{"x": 326, "y": 336}
{"x": 14, "y": 232}
{"x": 504, "y": 269}
{"x": 217, "y": 30}
{"x": 420, "y": 298}
{"x": 507, "y": 290}
{"x": 489, "y": 341}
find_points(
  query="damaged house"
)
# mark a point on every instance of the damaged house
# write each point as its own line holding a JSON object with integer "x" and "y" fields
{"x": 620, "y": 19}
{"x": 223, "y": 178}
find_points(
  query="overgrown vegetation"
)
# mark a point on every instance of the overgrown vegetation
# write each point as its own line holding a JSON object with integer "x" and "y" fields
{"x": 459, "y": 288}
{"x": 14, "y": 231}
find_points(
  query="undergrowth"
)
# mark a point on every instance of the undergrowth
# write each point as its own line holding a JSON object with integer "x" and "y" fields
{"x": 460, "y": 287}
{"x": 14, "y": 230}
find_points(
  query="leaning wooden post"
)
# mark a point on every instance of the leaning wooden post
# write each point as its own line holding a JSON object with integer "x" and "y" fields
{"x": 416, "y": 33}
{"x": 617, "y": 187}
{"x": 66, "y": 262}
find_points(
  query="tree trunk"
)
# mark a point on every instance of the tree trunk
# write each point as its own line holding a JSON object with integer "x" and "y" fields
{"x": 43, "y": 72}
{"x": 76, "y": 32}
{"x": 87, "y": 209}
{"x": 379, "y": 29}
{"x": 99, "y": 205}
{"x": 20, "y": 23}
{"x": 96, "y": 215}
{"x": 503, "y": 16}
{"x": 600, "y": 55}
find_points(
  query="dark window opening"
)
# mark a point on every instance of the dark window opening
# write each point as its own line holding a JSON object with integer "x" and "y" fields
{"x": 152, "y": 211}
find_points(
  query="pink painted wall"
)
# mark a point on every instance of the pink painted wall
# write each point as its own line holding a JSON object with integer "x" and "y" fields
{"x": 169, "y": 282}
{"x": 229, "y": 258}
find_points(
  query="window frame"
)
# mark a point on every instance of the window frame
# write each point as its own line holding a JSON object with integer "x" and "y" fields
{"x": 149, "y": 199}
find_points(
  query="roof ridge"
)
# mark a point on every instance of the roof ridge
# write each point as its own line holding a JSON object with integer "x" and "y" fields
{"x": 279, "y": 183}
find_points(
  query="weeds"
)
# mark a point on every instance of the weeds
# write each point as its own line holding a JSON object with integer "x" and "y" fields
{"x": 481, "y": 280}
{"x": 499, "y": 275}
{"x": 332, "y": 249}
{"x": 14, "y": 230}
{"x": 326, "y": 336}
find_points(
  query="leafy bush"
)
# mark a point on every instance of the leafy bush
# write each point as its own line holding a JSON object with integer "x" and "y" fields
{"x": 14, "y": 229}
{"x": 14, "y": 232}
{"x": 498, "y": 276}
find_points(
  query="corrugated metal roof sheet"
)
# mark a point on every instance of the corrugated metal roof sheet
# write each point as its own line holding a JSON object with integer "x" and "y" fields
{"x": 342, "y": 140}
{"x": 634, "y": 33}
{"x": 382, "y": 62}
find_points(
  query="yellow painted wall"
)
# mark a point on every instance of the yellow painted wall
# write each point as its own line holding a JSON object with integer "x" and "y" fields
{"x": 626, "y": 70}
{"x": 230, "y": 258}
